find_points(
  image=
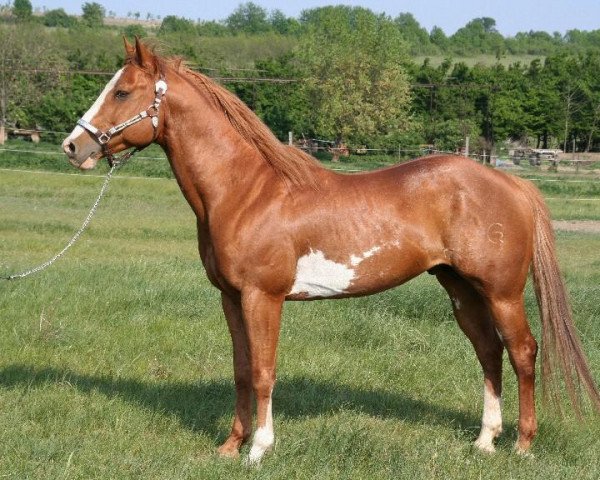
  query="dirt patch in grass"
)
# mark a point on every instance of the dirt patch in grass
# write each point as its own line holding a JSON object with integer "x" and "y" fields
{"x": 589, "y": 226}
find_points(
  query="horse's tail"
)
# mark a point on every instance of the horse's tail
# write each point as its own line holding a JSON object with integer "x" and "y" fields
{"x": 561, "y": 349}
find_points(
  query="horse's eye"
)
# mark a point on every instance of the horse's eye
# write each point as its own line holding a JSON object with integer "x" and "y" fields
{"x": 121, "y": 94}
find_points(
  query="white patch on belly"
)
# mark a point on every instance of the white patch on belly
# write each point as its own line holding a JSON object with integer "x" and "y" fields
{"x": 95, "y": 108}
{"x": 316, "y": 276}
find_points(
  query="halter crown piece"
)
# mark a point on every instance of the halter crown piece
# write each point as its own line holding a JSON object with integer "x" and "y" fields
{"x": 151, "y": 112}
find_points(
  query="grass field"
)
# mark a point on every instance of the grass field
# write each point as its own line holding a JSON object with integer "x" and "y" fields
{"x": 116, "y": 363}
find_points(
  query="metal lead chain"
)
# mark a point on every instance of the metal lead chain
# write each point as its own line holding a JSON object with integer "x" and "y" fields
{"x": 86, "y": 222}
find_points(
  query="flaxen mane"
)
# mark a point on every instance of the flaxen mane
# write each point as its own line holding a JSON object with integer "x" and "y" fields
{"x": 292, "y": 164}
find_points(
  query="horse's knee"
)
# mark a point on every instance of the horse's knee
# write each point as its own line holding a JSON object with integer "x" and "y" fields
{"x": 263, "y": 380}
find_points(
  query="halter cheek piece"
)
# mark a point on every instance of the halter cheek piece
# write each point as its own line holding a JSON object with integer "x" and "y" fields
{"x": 104, "y": 137}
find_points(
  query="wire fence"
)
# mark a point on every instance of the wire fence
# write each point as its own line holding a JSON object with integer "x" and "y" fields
{"x": 393, "y": 154}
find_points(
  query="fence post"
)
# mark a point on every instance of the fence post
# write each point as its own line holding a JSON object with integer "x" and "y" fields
{"x": 2, "y": 134}
{"x": 290, "y": 138}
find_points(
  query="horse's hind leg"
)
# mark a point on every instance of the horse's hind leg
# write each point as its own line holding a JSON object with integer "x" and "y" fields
{"x": 511, "y": 321}
{"x": 474, "y": 319}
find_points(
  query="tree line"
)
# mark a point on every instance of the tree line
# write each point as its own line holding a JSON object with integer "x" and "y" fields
{"x": 345, "y": 74}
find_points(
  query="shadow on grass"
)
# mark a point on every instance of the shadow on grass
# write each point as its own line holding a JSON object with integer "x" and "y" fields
{"x": 201, "y": 406}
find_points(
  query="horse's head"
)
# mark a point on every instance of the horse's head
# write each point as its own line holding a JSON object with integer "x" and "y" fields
{"x": 126, "y": 114}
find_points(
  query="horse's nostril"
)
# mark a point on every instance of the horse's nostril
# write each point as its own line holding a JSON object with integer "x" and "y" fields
{"x": 72, "y": 147}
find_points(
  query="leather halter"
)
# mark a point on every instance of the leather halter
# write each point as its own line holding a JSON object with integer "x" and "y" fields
{"x": 151, "y": 112}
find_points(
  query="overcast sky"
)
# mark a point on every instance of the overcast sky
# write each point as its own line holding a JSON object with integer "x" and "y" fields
{"x": 511, "y": 15}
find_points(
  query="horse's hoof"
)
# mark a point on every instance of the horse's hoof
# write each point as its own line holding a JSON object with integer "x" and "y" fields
{"x": 523, "y": 451}
{"x": 485, "y": 447}
{"x": 227, "y": 451}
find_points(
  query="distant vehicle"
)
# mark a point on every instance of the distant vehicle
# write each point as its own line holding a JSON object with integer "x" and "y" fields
{"x": 534, "y": 155}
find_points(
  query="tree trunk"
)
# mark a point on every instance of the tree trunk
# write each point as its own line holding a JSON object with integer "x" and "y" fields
{"x": 3, "y": 135}
{"x": 593, "y": 128}
{"x": 545, "y": 138}
{"x": 565, "y": 142}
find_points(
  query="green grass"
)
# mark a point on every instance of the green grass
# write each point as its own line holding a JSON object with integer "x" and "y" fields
{"x": 116, "y": 362}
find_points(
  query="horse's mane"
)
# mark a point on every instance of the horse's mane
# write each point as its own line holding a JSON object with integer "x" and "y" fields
{"x": 291, "y": 163}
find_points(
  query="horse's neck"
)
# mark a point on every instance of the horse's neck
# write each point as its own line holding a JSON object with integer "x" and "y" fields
{"x": 212, "y": 164}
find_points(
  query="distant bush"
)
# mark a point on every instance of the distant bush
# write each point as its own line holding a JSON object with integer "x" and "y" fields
{"x": 173, "y": 24}
{"x": 134, "y": 30}
{"x": 58, "y": 18}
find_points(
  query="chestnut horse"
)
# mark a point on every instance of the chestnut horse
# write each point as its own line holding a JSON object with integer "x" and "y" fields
{"x": 273, "y": 225}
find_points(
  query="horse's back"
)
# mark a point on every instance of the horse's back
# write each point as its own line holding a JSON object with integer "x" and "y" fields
{"x": 465, "y": 215}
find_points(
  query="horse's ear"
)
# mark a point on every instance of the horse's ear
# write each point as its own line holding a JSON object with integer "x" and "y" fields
{"x": 143, "y": 56}
{"x": 129, "y": 49}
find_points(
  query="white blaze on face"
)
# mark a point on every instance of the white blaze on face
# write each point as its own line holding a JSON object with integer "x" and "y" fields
{"x": 317, "y": 276}
{"x": 491, "y": 422}
{"x": 95, "y": 108}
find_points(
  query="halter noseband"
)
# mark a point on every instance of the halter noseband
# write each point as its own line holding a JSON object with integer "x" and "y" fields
{"x": 151, "y": 112}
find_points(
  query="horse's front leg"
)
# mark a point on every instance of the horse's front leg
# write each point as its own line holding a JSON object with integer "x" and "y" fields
{"x": 242, "y": 422}
{"x": 262, "y": 317}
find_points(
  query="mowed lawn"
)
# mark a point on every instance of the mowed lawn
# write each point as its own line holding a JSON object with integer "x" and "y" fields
{"x": 116, "y": 361}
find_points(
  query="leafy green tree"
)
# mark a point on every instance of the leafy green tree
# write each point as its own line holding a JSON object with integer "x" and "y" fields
{"x": 355, "y": 82}
{"x": 21, "y": 88}
{"x": 174, "y": 24}
{"x": 533, "y": 43}
{"x": 58, "y": 109}
{"x": 93, "y": 14}
{"x": 212, "y": 29}
{"x": 90, "y": 49}
{"x": 282, "y": 24}
{"x": 282, "y": 106}
{"x": 248, "y": 18}
{"x": 439, "y": 38}
{"x": 589, "y": 120}
{"x": 415, "y": 35}
{"x": 58, "y": 18}
{"x": 542, "y": 104}
{"x": 478, "y": 36}
{"x": 134, "y": 30}
{"x": 581, "y": 41}
{"x": 22, "y": 10}
{"x": 568, "y": 92}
